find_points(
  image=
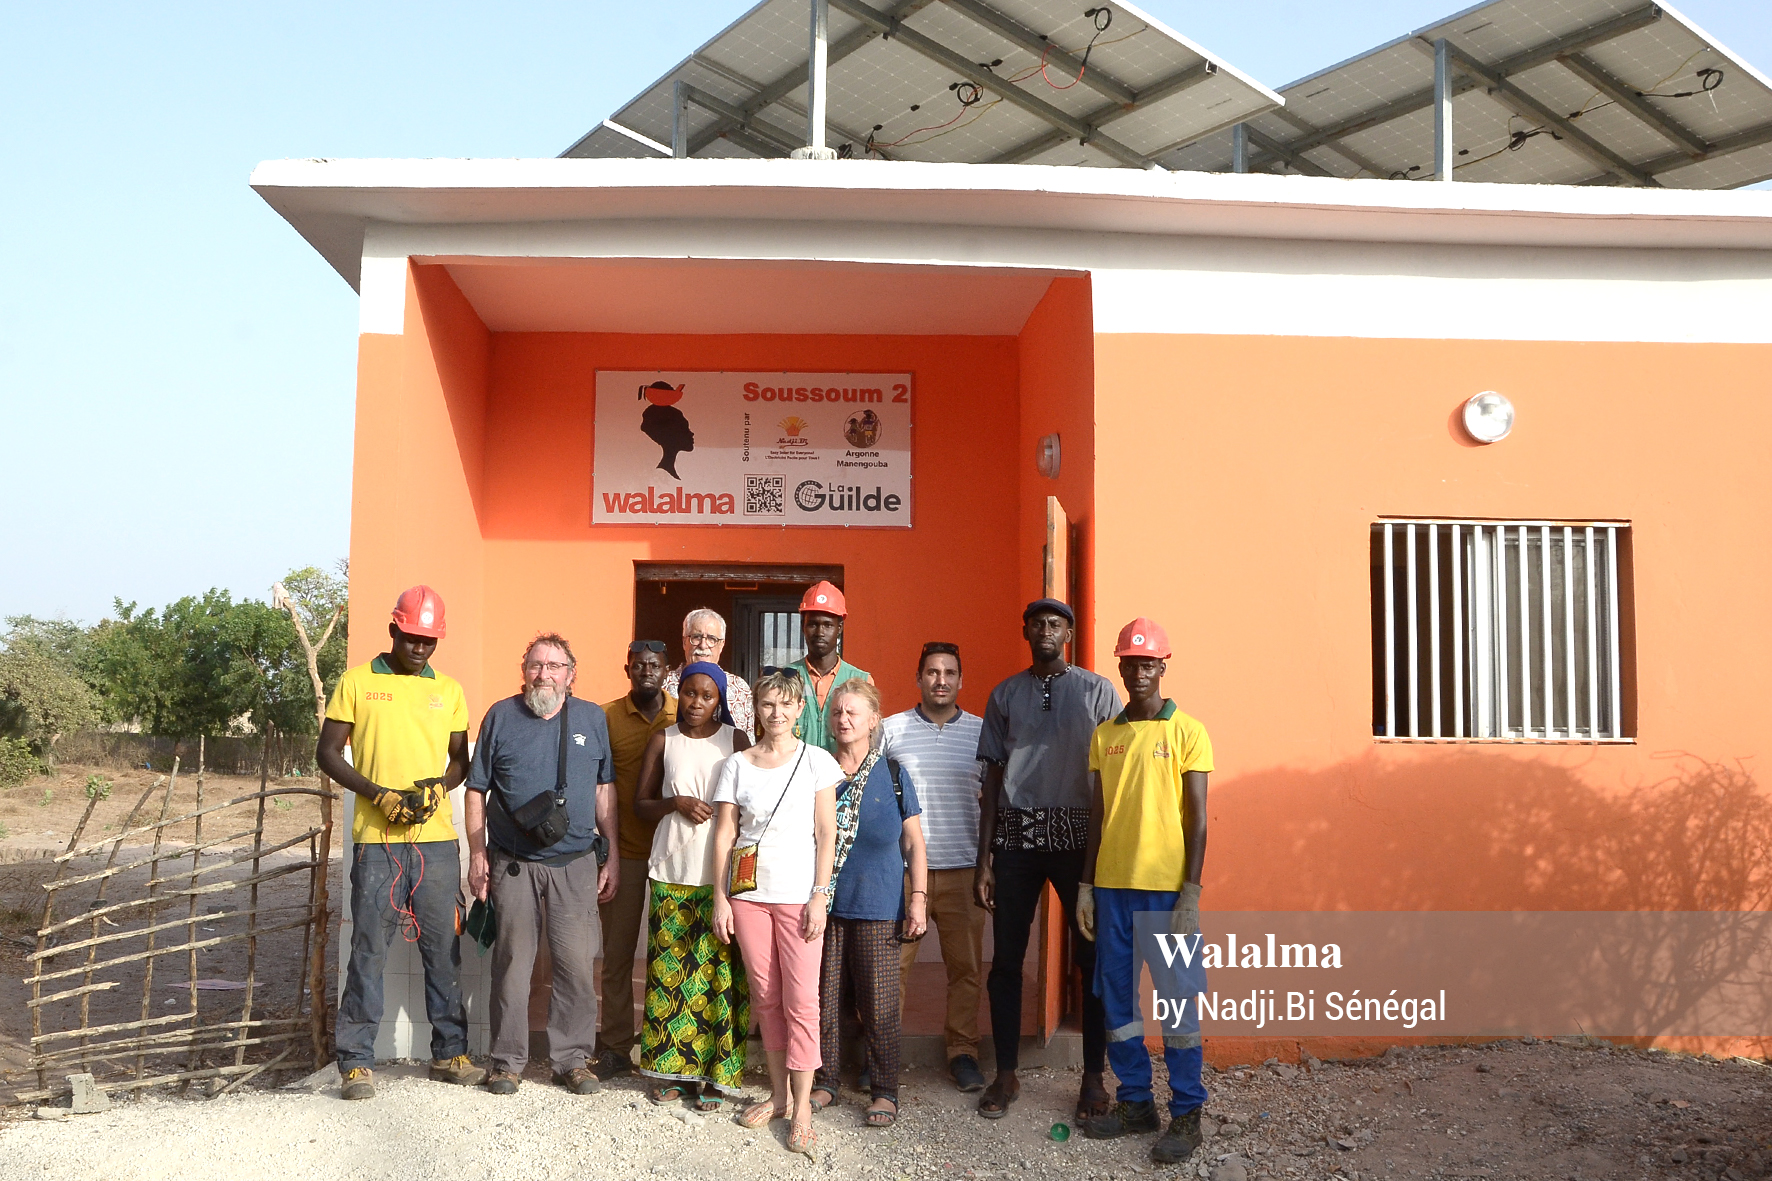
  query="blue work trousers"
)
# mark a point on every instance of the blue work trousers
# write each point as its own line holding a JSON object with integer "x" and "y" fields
{"x": 1117, "y": 983}
{"x": 419, "y": 877}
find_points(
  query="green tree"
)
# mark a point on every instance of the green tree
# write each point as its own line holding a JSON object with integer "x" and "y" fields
{"x": 42, "y": 698}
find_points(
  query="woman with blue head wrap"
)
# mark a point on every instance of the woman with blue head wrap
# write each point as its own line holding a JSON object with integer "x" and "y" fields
{"x": 694, "y": 1053}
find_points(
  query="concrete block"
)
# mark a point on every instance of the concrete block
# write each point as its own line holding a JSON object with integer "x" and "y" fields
{"x": 88, "y": 1098}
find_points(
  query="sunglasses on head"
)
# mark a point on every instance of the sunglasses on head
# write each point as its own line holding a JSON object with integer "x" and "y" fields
{"x": 940, "y": 648}
{"x": 647, "y": 646}
{"x": 787, "y": 670}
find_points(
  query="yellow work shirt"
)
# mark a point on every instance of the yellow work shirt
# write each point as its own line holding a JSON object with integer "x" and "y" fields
{"x": 400, "y": 729}
{"x": 1141, "y": 765}
{"x": 629, "y": 732}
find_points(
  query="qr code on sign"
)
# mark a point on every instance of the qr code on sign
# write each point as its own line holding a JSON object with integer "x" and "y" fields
{"x": 765, "y": 496}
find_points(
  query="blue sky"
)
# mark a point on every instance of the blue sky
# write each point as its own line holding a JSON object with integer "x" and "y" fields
{"x": 178, "y": 367}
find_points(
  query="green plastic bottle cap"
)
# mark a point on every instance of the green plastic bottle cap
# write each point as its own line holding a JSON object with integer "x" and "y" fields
{"x": 1061, "y": 1132}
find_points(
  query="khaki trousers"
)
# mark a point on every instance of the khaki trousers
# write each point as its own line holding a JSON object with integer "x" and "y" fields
{"x": 623, "y": 917}
{"x": 960, "y": 925}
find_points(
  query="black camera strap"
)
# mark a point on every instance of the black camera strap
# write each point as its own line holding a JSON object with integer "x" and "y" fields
{"x": 560, "y": 774}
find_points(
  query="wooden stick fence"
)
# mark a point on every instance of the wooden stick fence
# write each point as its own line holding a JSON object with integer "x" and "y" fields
{"x": 118, "y": 935}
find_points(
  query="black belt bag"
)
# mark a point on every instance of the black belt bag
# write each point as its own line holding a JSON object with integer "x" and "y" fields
{"x": 544, "y": 819}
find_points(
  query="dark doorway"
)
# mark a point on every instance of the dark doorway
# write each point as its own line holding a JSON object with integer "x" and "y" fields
{"x": 759, "y": 603}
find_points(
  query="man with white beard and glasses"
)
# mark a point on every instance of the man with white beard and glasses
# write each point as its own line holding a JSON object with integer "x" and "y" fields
{"x": 541, "y": 820}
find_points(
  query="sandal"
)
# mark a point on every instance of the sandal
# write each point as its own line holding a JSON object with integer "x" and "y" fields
{"x": 662, "y": 1093}
{"x": 817, "y": 1106}
{"x": 994, "y": 1103}
{"x": 1092, "y": 1099}
{"x": 759, "y": 1114}
{"x": 879, "y": 1117}
{"x": 803, "y": 1142}
{"x": 709, "y": 1099}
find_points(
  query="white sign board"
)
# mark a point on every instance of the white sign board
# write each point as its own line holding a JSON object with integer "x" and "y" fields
{"x": 702, "y": 448}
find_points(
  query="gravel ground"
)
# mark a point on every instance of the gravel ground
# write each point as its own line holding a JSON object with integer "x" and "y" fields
{"x": 1509, "y": 1110}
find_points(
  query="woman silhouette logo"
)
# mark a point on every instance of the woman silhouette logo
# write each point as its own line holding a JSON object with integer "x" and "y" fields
{"x": 665, "y": 425}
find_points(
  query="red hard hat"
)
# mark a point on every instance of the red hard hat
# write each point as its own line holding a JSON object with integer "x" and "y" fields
{"x": 1142, "y": 637}
{"x": 419, "y": 612}
{"x": 822, "y": 596}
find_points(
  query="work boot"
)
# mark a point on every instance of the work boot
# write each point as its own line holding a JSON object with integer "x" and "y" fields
{"x": 967, "y": 1076}
{"x": 1179, "y": 1142}
{"x": 359, "y": 1084}
{"x": 579, "y": 1080}
{"x": 1126, "y": 1119}
{"x": 610, "y": 1063}
{"x": 457, "y": 1070}
{"x": 502, "y": 1082}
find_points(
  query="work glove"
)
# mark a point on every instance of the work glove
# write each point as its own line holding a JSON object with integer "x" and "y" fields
{"x": 431, "y": 794}
{"x": 1086, "y": 910}
{"x": 400, "y": 807}
{"x": 1185, "y": 918}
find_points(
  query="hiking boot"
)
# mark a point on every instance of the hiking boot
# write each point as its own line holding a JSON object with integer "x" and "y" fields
{"x": 1179, "y": 1142}
{"x": 579, "y": 1080}
{"x": 1126, "y": 1119}
{"x": 359, "y": 1084}
{"x": 502, "y": 1082}
{"x": 967, "y": 1076}
{"x": 610, "y": 1063}
{"x": 457, "y": 1070}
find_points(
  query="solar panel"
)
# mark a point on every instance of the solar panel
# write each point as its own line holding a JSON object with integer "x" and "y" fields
{"x": 979, "y": 81}
{"x": 1635, "y": 93}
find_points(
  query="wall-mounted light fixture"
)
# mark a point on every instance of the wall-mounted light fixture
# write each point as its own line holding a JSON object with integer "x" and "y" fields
{"x": 1488, "y": 417}
{"x": 1047, "y": 457}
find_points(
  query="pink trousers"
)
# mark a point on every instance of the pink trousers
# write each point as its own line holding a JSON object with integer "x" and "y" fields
{"x": 783, "y": 970}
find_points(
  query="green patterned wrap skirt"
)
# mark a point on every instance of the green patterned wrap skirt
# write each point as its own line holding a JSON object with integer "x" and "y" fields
{"x": 698, "y": 1005}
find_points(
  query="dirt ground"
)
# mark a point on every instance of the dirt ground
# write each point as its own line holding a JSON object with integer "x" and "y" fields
{"x": 40, "y": 817}
{"x": 1534, "y": 1112}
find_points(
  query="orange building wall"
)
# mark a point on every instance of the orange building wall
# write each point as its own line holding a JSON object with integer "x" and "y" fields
{"x": 547, "y": 566}
{"x": 417, "y": 471}
{"x": 1235, "y": 482}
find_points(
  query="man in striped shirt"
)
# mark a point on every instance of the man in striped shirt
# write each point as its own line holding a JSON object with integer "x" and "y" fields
{"x": 936, "y": 743}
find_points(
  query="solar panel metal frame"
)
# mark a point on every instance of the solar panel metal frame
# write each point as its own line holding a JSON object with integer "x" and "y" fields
{"x": 1372, "y": 114}
{"x": 1146, "y": 95}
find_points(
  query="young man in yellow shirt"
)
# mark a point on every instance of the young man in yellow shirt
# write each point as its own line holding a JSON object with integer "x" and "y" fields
{"x": 407, "y": 726}
{"x": 1147, "y": 848}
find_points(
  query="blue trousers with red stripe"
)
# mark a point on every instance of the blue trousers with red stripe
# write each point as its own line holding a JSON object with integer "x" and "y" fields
{"x": 1117, "y": 983}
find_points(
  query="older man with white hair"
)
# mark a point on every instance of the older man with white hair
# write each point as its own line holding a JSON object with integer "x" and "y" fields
{"x": 704, "y": 638}
{"x": 541, "y": 819}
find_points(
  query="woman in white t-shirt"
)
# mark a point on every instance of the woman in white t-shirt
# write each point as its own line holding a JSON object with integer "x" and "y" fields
{"x": 698, "y": 1005}
{"x": 775, "y": 830}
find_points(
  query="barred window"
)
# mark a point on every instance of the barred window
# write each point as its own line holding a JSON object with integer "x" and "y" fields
{"x": 1501, "y": 630}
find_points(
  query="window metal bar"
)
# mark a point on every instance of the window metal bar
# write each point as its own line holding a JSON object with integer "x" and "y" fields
{"x": 1615, "y": 723}
{"x": 1433, "y": 619}
{"x": 1593, "y": 641}
{"x": 1499, "y": 574}
{"x": 1569, "y": 630}
{"x": 1457, "y": 639}
{"x": 1544, "y": 587}
{"x": 1525, "y": 634}
{"x": 1390, "y": 635}
{"x": 1414, "y": 643}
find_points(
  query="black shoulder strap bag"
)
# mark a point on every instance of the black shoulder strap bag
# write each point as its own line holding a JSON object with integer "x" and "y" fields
{"x": 544, "y": 820}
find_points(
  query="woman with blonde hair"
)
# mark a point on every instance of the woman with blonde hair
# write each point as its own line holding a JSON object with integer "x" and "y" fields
{"x": 775, "y": 830}
{"x": 879, "y": 838}
{"x": 698, "y": 1006}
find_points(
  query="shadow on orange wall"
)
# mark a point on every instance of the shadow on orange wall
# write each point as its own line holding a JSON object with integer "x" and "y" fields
{"x": 1465, "y": 832}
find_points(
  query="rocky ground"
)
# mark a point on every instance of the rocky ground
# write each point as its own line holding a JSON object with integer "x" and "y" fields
{"x": 1509, "y": 1110}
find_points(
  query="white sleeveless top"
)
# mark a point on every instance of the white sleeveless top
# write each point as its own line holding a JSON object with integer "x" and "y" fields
{"x": 682, "y": 852}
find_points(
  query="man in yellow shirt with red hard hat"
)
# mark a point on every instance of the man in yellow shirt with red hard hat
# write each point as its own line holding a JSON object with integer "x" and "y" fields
{"x": 1147, "y": 851}
{"x": 407, "y": 727}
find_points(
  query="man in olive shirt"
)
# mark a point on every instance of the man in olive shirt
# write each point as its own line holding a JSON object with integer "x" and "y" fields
{"x": 633, "y": 718}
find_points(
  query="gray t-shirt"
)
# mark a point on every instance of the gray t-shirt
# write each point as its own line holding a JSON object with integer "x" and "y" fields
{"x": 518, "y": 758}
{"x": 1044, "y": 748}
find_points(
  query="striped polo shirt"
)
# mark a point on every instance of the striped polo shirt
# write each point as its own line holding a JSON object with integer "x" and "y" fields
{"x": 943, "y": 762}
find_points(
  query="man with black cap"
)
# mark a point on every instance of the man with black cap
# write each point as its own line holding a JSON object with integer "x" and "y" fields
{"x": 1033, "y": 828}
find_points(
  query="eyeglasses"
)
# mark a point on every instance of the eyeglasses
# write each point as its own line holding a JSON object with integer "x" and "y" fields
{"x": 647, "y": 646}
{"x": 700, "y": 638}
{"x": 940, "y": 648}
{"x": 550, "y": 666}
